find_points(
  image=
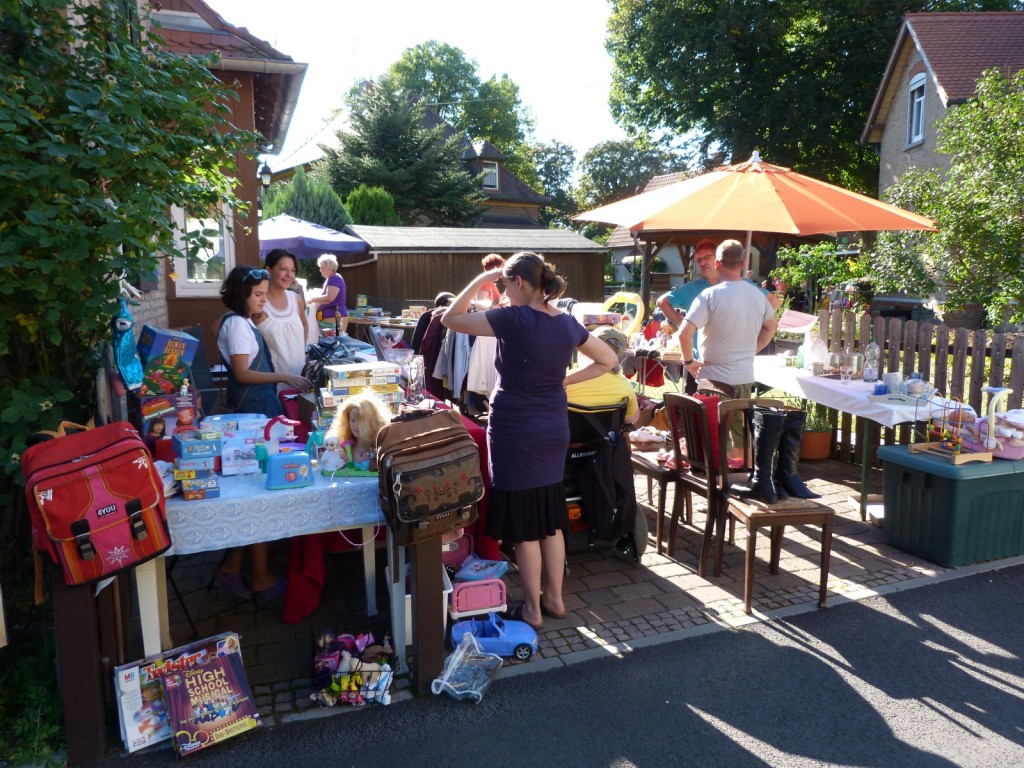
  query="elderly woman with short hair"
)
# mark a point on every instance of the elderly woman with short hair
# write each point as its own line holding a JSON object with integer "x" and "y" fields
{"x": 332, "y": 309}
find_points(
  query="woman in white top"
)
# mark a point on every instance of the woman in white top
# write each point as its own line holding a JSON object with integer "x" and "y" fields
{"x": 283, "y": 319}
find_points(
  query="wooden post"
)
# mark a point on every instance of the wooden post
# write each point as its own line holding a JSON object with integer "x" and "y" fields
{"x": 427, "y": 613}
{"x": 81, "y": 665}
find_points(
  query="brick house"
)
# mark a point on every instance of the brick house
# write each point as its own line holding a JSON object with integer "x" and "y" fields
{"x": 934, "y": 66}
{"x": 268, "y": 83}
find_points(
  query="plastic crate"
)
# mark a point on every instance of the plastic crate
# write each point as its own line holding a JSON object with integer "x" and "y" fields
{"x": 952, "y": 514}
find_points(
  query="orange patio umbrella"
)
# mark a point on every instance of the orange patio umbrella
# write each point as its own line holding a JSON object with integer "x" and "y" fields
{"x": 755, "y": 197}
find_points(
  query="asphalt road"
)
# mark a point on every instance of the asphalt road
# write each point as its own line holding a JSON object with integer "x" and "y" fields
{"x": 926, "y": 677}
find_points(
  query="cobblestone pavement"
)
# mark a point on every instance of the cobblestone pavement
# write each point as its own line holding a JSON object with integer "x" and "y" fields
{"x": 612, "y": 604}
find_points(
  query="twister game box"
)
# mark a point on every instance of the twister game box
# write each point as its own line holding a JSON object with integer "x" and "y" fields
{"x": 141, "y": 700}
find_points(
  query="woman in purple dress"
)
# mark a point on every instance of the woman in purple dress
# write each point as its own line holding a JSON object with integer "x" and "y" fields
{"x": 528, "y": 425}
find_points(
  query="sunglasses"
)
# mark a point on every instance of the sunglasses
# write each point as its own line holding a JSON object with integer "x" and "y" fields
{"x": 256, "y": 275}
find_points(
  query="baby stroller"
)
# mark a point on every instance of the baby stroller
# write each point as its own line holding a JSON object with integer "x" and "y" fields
{"x": 593, "y": 429}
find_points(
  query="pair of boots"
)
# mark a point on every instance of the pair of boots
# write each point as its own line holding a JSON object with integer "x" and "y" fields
{"x": 777, "y": 433}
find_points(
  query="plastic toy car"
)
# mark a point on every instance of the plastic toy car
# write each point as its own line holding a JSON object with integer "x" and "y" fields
{"x": 494, "y": 634}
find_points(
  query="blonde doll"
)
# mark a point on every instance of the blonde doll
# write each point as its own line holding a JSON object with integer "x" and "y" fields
{"x": 360, "y": 417}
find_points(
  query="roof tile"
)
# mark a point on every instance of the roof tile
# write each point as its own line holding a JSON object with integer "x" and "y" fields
{"x": 960, "y": 46}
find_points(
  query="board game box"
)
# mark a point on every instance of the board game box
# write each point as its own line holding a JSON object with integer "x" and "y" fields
{"x": 209, "y": 703}
{"x": 142, "y": 705}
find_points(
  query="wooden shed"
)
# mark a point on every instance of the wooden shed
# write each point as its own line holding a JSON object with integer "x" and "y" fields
{"x": 413, "y": 264}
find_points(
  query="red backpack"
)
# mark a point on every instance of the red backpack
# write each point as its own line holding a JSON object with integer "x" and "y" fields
{"x": 96, "y": 501}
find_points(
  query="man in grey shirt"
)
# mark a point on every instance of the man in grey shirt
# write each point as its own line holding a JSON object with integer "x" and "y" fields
{"x": 737, "y": 322}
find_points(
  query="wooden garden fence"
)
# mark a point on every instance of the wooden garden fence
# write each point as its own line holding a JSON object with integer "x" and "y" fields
{"x": 959, "y": 362}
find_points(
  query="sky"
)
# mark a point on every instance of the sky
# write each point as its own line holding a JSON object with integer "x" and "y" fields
{"x": 552, "y": 49}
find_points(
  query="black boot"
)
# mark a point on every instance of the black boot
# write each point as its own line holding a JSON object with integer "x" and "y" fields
{"x": 767, "y": 425}
{"x": 785, "y": 476}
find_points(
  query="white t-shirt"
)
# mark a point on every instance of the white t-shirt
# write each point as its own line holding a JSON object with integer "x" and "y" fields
{"x": 731, "y": 315}
{"x": 236, "y": 337}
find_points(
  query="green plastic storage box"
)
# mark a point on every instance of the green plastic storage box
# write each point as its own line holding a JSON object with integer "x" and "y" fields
{"x": 953, "y": 514}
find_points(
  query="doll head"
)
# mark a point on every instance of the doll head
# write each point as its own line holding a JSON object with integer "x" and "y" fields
{"x": 361, "y": 417}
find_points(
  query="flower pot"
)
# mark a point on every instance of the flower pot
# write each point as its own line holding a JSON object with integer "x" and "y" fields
{"x": 815, "y": 445}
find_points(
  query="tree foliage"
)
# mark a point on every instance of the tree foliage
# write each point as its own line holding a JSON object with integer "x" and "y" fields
{"x": 616, "y": 169}
{"x": 389, "y": 146}
{"x": 308, "y": 198}
{"x": 978, "y": 253}
{"x": 556, "y": 163}
{"x": 793, "y": 79}
{"x": 489, "y": 109}
{"x": 101, "y": 138}
{"x": 372, "y": 206}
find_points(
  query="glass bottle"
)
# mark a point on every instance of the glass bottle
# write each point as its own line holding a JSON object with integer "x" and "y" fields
{"x": 872, "y": 353}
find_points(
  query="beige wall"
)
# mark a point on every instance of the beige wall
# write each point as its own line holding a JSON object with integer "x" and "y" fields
{"x": 895, "y": 156}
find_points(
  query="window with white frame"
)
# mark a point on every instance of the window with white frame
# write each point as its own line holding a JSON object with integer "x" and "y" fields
{"x": 490, "y": 170}
{"x": 203, "y": 273}
{"x": 915, "y": 113}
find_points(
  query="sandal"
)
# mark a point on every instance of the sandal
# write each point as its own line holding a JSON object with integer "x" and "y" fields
{"x": 551, "y": 614}
{"x": 275, "y": 591}
{"x": 233, "y": 582}
{"x": 515, "y": 613}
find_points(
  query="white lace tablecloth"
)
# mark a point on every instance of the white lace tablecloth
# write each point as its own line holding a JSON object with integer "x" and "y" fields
{"x": 247, "y": 512}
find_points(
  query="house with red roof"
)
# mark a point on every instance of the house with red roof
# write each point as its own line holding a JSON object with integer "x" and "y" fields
{"x": 267, "y": 82}
{"x": 934, "y": 66}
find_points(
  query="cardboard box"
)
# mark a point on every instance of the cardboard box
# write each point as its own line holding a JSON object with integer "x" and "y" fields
{"x": 238, "y": 452}
{"x": 208, "y": 493}
{"x": 160, "y": 344}
{"x": 141, "y": 703}
{"x": 166, "y": 356}
{"x": 234, "y": 422}
{"x": 205, "y": 463}
{"x": 358, "y": 370}
{"x": 200, "y": 484}
{"x": 189, "y": 445}
{"x": 192, "y": 474}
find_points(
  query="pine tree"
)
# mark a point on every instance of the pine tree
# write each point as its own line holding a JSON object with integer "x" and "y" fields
{"x": 306, "y": 198}
{"x": 390, "y": 146}
{"x": 372, "y": 206}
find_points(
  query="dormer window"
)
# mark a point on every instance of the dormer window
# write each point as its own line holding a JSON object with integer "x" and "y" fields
{"x": 490, "y": 171}
{"x": 915, "y": 111}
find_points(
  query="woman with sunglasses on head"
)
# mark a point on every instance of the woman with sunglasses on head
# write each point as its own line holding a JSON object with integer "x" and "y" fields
{"x": 252, "y": 388}
{"x": 528, "y": 423}
{"x": 283, "y": 318}
{"x": 252, "y": 379}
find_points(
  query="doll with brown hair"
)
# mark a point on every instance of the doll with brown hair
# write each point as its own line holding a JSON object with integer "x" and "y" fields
{"x": 359, "y": 419}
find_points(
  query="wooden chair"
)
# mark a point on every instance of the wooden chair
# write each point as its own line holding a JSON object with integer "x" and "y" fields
{"x": 688, "y": 426}
{"x": 646, "y": 463}
{"x": 754, "y": 514}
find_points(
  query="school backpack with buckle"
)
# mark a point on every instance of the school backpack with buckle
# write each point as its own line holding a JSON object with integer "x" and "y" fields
{"x": 96, "y": 502}
{"x": 429, "y": 474}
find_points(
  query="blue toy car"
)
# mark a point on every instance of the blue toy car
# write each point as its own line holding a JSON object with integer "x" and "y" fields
{"x": 494, "y": 634}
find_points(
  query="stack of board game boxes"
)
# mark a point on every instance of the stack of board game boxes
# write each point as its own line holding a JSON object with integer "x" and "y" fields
{"x": 196, "y": 695}
{"x": 385, "y": 379}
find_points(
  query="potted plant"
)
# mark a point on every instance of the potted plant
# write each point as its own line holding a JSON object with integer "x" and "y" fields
{"x": 817, "y": 439}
